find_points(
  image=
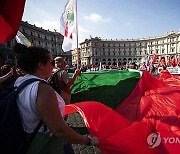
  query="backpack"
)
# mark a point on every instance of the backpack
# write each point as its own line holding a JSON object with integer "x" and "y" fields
{"x": 13, "y": 138}
{"x": 53, "y": 82}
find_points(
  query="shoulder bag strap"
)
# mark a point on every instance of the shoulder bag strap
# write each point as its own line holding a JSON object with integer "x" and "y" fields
{"x": 24, "y": 84}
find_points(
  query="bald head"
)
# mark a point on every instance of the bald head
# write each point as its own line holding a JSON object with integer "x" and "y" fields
{"x": 59, "y": 62}
{"x": 59, "y": 59}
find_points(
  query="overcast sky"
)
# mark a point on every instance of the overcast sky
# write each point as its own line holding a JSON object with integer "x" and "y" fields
{"x": 109, "y": 19}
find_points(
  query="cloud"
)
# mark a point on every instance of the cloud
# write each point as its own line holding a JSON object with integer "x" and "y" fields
{"x": 46, "y": 24}
{"x": 96, "y": 18}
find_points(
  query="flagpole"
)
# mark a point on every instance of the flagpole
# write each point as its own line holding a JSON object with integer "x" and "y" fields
{"x": 78, "y": 66}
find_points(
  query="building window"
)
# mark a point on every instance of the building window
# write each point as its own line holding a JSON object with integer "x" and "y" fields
{"x": 162, "y": 50}
{"x": 145, "y": 52}
{"x": 135, "y": 52}
{"x": 140, "y": 52}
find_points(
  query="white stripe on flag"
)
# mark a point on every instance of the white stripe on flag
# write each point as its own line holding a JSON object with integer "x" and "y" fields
{"x": 20, "y": 38}
{"x": 68, "y": 24}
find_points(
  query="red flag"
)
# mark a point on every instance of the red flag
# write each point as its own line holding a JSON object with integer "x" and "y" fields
{"x": 154, "y": 57}
{"x": 168, "y": 63}
{"x": 162, "y": 61}
{"x": 174, "y": 61}
{"x": 11, "y": 12}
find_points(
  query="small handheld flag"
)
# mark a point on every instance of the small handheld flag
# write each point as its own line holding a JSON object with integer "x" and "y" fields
{"x": 20, "y": 38}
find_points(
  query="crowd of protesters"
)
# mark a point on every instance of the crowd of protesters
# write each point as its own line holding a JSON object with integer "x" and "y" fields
{"x": 150, "y": 64}
{"x": 9, "y": 72}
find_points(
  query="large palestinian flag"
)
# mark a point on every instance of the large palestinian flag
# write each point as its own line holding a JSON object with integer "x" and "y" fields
{"x": 145, "y": 122}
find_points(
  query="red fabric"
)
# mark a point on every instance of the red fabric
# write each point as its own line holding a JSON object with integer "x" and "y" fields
{"x": 146, "y": 82}
{"x": 95, "y": 115}
{"x": 11, "y": 12}
{"x": 169, "y": 79}
{"x": 174, "y": 61}
{"x": 153, "y": 107}
{"x": 157, "y": 103}
{"x": 154, "y": 57}
{"x": 115, "y": 133}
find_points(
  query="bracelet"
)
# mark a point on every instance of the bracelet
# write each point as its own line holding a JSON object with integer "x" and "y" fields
{"x": 88, "y": 141}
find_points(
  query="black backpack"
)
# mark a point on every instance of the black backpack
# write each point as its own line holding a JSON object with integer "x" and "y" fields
{"x": 53, "y": 81}
{"x": 13, "y": 138}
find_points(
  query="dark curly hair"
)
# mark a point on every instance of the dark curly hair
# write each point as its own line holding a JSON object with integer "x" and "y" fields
{"x": 28, "y": 57}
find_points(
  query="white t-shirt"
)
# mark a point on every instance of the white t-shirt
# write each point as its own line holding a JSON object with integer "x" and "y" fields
{"x": 26, "y": 102}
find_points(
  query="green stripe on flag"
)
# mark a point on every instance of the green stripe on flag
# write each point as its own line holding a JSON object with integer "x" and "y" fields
{"x": 109, "y": 87}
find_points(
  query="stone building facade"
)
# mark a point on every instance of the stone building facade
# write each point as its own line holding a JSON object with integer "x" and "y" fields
{"x": 38, "y": 36}
{"x": 94, "y": 51}
{"x": 117, "y": 52}
{"x": 76, "y": 54}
